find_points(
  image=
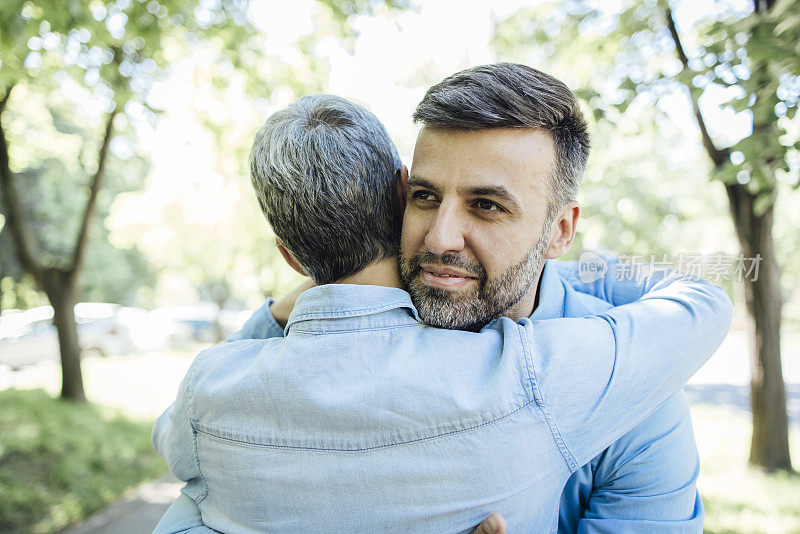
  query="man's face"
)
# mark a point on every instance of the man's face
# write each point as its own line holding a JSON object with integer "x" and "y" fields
{"x": 474, "y": 236}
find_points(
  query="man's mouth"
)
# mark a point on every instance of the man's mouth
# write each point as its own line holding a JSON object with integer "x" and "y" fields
{"x": 445, "y": 277}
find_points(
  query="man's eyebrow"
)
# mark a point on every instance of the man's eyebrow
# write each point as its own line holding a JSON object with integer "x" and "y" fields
{"x": 417, "y": 181}
{"x": 497, "y": 191}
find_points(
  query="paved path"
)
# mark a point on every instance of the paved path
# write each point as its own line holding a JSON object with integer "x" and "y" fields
{"x": 137, "y": 513}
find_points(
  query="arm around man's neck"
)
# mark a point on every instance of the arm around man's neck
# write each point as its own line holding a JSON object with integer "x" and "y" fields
{"x": 615, "y": 283}
{"x": 270, "y": 319}
{"x": 605, "y": 277}
{"x": 598, "y": 376}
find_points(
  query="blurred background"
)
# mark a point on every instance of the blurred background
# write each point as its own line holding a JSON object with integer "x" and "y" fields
{"x": 130, "y": 238}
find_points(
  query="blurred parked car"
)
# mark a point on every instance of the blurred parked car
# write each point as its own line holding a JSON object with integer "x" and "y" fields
{"x": 104, "y": 329}
{"x": 198, "y": 322}
{"x": 28, "y": 337}
{"x": 190, "y": 323}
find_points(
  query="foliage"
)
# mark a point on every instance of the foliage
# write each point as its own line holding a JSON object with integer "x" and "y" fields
{"x": 102, "y": 57}
{"x": 61, "y": 461}
{"x": 53, "y": 205}
{"x": 112, "y": 49}
{"x": 623, "y": 60}
{"x": 72, "y": 62}
{"x": 639, "y": 199}
{"x": 20, "y": 293}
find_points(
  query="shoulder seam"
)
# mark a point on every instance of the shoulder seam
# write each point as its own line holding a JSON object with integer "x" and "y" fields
{"x": 190, "y": 390}
{"x": 572, "y": 465}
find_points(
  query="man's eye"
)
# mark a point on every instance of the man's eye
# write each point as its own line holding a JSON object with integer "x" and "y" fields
{"x": 422, "y": 195}
{"x": 487, "y": 205}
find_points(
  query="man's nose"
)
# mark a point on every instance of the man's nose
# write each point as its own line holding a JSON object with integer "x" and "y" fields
{"x": 446, "y": 233}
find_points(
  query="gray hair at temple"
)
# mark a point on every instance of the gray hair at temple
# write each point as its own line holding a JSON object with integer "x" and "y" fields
{"x": 510, "y": 95}
{"x": 325, "y": 173}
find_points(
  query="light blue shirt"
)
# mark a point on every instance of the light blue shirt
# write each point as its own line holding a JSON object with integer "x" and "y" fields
{"x": 364, "y": 419}
{"x": 646, "y": 480}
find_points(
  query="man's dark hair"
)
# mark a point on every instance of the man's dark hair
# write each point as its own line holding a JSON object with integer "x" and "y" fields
{"x": 510, "y": 95}
{"x": 325, "y": 174}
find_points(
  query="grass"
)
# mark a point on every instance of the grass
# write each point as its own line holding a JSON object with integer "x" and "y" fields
{"x": 737, "y": 498}
{"x": 60, "y": 461}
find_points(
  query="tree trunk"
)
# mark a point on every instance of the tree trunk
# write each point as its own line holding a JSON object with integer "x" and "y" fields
{"x": 60, "y": 285}
{"x": 769, "y": 448}
{"x": 770, "y": 442}
{"x": 61, "y": 289}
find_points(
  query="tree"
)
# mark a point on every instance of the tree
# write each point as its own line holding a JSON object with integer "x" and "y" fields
{"x": 749, "y": 53}
{"x": 108, "y": 54}
{"x": 768, "y": 53}
{"x": 53, "y": 205}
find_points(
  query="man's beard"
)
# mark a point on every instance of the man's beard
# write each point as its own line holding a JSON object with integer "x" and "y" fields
{"x": 470, "y": 311}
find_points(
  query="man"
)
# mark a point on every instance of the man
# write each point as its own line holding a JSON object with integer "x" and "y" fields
{"x": 218, "y": 435}
{"x": 646, "y": 480}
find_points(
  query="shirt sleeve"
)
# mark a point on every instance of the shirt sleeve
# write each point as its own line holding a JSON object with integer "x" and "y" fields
{"x": 596, "y": 377}
{"x": 646, "y": 481}
{"x": 260, "y": 325}
{"x": 173, "y": 435}
{"x": 618, "y": 284}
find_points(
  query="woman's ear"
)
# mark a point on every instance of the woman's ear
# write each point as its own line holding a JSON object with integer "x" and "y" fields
{"x": 289, "y": 258}
{"x": 402, "y": 186}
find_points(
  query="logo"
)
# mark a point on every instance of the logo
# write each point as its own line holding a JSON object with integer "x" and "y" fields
{"x": 591, "y": 266}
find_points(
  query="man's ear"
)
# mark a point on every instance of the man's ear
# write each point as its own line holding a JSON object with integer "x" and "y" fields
{"x": 289, "y": 258}
{"x": 563, "y": 231}
{"x": 402, "y": 186}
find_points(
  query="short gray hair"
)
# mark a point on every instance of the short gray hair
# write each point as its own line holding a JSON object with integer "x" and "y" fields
{"x": 325, "y": 174}
{"x": 512, "y": 95}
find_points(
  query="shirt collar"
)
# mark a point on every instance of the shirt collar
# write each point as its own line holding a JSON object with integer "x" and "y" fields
{"x": 551, "y": 294}
{"x": 343, "y": 301}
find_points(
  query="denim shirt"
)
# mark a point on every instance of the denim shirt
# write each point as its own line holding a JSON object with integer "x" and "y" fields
{"x": 363, "y": 419}
{"x": 646, "y": 480}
